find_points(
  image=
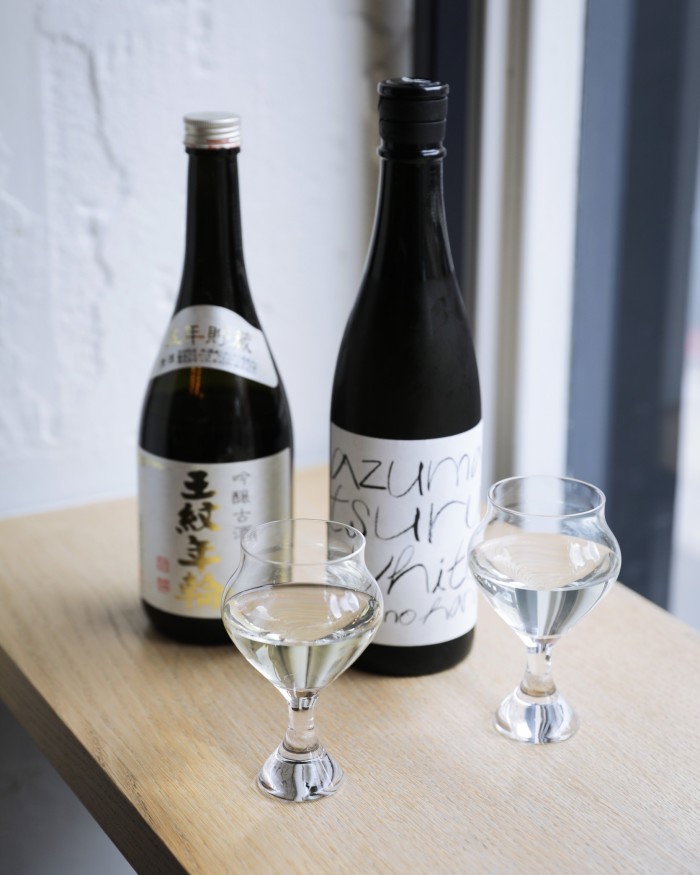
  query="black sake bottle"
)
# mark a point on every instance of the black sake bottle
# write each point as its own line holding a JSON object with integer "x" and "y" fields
{"x": 406, "y": 409}
{"x": 215, "y": 444}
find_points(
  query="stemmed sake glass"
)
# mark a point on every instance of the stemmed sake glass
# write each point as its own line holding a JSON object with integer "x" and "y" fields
{"x": 544, "y": 557}
{"x": 301, "y": 607}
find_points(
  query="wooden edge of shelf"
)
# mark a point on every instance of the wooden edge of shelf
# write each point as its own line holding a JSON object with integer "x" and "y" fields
{"x": 112, "y": 809}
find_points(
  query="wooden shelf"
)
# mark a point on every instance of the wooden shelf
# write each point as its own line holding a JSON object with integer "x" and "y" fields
{"x": 162, "y": 741}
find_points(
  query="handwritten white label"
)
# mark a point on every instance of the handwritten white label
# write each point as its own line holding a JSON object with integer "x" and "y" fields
{"x": 191, "y": 518}
{"x": 215, "y": 337}
{"x": 417, "y": 503}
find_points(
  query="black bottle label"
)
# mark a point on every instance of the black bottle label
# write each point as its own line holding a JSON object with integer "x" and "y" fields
{"x": 208, "y": 336}
{"x": 417, "y": 502}
{"x": 192, "y": 517}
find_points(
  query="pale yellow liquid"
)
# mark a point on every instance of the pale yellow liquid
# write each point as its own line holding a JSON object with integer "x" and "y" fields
{"x": 301, "y": 636}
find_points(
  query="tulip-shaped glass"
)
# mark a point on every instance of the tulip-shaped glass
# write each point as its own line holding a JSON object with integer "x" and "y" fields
{"x": 301, "y": 607}
{"x": 544, "y": 557}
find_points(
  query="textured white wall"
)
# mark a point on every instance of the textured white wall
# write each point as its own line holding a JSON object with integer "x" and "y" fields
{"x": 92, "y": 207}
{"x": 92, "y": 204}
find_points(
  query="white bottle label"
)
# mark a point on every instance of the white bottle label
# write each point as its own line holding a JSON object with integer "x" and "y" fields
{"x": 191, "y": 519}
{"x": 208, "y": 336}
{"x": 417, "y": 502}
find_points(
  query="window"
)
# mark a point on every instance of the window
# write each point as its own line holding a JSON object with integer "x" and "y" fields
{"x": 580, "y": 266}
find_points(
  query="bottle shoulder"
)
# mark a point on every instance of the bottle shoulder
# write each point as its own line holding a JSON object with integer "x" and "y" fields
{"x": 209, "y": 415}
{"x": 415, "y": 312}
{"x": 407, "y": 368}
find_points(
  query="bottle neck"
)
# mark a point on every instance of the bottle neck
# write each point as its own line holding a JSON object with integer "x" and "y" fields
{"x": 410, "y": 242}
{"x": 214, "y": 269}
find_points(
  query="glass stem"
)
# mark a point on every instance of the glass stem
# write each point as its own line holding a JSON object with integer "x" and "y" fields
{"x": 300, "y": 737}
{"x": 537, "y": 680}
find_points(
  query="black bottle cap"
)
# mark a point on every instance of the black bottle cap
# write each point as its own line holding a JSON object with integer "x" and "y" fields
{"x": 412, "y": 110}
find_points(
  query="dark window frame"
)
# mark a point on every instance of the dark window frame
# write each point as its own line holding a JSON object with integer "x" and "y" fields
{"x": 448, "y": 47}
{"x": 638, "y": 165}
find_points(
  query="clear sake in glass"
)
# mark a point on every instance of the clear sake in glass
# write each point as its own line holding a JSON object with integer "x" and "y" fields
{"x": 301, "y": 607}
{"x": 544, "y": 557}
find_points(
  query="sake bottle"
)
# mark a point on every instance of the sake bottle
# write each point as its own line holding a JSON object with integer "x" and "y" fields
{"x": 215, "y": 440}
{"x": 405, "y": 460}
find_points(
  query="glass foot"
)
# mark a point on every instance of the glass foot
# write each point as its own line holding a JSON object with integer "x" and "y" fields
{"x": 536, "y": 719}
{"x": 302, "y": 777}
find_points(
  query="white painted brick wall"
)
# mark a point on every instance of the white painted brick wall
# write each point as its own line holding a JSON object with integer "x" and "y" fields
{"x": 92, "y": 207}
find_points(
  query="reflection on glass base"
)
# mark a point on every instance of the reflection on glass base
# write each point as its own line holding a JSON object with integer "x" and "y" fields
{"x": 536, "y": 719}
{"x": 300, "y": 777}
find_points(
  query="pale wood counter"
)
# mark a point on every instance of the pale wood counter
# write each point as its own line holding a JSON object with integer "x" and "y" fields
{"x": 162, "y": 741}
